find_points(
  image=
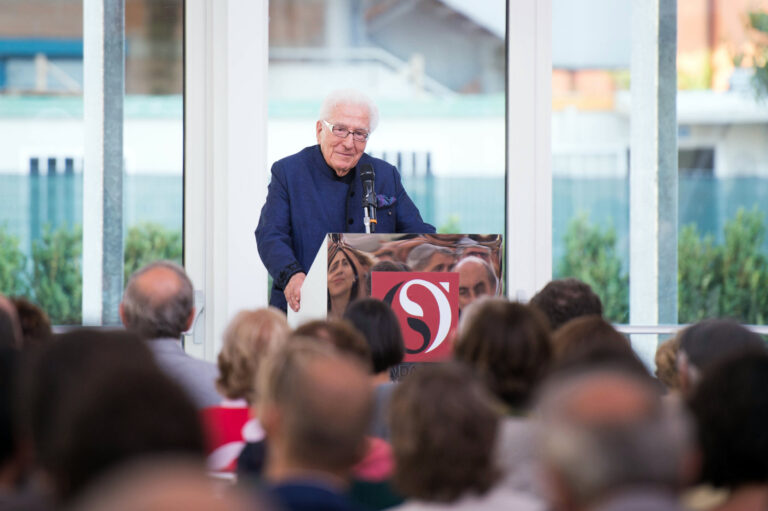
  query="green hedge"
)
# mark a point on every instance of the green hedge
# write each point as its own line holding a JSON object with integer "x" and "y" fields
{"x": 728, "y": 279}
{"x": 714, "y": 280}
{"x": 54, "y": 278}
{"x": 590, "y": 255}
{"x": 13, "y": 264}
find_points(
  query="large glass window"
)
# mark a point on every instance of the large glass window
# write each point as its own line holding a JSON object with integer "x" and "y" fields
{"x": 41, "y": 149}
{"x": 722, "y": 165}
{"x": 437, "y": 72}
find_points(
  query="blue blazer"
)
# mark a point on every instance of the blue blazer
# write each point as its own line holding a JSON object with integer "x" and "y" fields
{"x": 306, "y": 200}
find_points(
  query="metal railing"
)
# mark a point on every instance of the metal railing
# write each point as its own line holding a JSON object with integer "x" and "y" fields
{"x": 362, "y": 54}
{"x": 673, "y": 329}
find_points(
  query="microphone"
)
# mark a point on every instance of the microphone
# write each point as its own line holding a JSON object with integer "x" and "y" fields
{"x": 367, "y": 176}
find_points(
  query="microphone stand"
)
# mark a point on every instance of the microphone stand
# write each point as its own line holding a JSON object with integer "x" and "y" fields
{"x": 369, "y": 217}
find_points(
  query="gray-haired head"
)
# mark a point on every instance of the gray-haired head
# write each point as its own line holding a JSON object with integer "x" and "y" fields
{"x": 158, "y": 301}
{"x": 608, "y": 430}
{"x": 419, "y": 257}
{"x": 350, "y": 97}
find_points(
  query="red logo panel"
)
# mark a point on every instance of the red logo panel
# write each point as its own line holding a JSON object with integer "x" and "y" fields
{"x": 427, "y": 305}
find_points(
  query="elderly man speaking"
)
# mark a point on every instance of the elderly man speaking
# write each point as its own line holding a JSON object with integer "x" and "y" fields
{"x": 318, "y": 190}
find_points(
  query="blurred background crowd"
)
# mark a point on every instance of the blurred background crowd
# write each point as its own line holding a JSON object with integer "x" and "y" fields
{"x": 543, "y": 405}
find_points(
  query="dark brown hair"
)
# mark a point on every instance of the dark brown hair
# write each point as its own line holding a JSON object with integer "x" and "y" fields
{"x": 564, "y": 299}
{"x": 508, "y": 346}
{"x": 443, "y": 433}
{"x": 379, "y": 325}
{"x": 35, "y": 324}
{"x": 591, "y": 341}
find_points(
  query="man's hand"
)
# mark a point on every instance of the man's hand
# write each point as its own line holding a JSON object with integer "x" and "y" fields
{"x": 293, "y": 291}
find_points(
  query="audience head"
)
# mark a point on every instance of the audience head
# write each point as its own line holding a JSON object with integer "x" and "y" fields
{"x": 10, "y": 469}
{"x": 383, "y": 265}
{"x": 604, "y": 431}
{"x": 158, "y": 301}
{"x": 35, "y": 324}
{"x": 730, "y": 405}
{"x": 564, "y": 299}
{"x": 161, "y": 485}
{"x": 591, "y": 341}
{"x": 387, "y": 265}
{"x": 666, "y": 364}
{"x": 707, "y": 342}
{"x": 249, "y": 337}
{"x": 96, "y": 400}
{"x": 476, "y": 279}
{"x": 508, "y": 345}
{"x": 302, "y": 386}
{"x": 381, "y": 330}
{"x": 428, "y": 257}
{"x": 341, "y": 335}
{"x": 8, "y": 335}
{"x": 10, "y": 329}
{"x": 470, "y": 247}
{"x": 443, "y": 433}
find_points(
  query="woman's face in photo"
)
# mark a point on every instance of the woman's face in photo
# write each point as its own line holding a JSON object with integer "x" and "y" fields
{"x": 340, "y": 275}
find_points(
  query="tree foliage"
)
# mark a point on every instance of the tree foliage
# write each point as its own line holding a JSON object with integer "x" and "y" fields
{"x": 697, "y": 282}
{"x": 57, "y": 284}
{"x": 714, "y": 280}
{"x": 758, "y": 23}
{"x": 744, "y": 277}
{"x": 12, "y": 265}
{"x": 149, "y": 242}
{"x": 590, "y": 256}
{"x": 54, "y": 278}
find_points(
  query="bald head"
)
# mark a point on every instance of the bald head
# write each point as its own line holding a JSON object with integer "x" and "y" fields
{"x": 476, "y": 279}
{"x": 158, "y": 301}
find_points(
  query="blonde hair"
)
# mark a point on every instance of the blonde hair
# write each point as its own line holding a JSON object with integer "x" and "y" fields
{"x": 249, "y": 337}
{"x": 666, "y": 363}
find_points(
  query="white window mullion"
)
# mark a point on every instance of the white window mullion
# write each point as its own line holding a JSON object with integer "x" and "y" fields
{"x": 529, "y": 173}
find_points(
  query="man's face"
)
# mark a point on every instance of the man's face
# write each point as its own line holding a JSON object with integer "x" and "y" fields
{"x": 473, "y": 283}
{"x": 342, "y": 154}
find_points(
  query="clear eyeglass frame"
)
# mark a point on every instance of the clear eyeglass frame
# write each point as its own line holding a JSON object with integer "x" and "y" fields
{"x": 343, "y": 132}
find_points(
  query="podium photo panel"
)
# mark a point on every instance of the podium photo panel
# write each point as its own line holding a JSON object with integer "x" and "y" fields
{"x": 427, "y": 279}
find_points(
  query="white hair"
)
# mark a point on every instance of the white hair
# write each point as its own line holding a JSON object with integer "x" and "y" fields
{"x": 350, "y": 97}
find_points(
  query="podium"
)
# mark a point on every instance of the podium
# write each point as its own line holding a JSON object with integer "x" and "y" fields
{"x": 426, "y": 278}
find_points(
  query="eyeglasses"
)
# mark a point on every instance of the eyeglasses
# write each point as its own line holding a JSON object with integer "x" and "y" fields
{"x": 342, "y": 132}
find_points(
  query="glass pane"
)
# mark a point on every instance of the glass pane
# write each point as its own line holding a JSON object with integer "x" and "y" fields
{"x": 723, "y": 165}
{"x": 153, "y": 132}
{"x": 436, "y": 71}
{"x": 722, "y": 162}
{"x": 41, "y": 153}
{"x": 590, "y": 147}
{"x": 41, "y": 156}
